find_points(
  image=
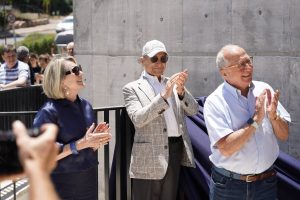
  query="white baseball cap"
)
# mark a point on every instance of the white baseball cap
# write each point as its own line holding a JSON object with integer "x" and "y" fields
{"x": 151, "y": 48}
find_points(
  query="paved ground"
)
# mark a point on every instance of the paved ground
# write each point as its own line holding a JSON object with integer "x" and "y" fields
{"x": 22, "y": 32}
{"x": 7, "y": 189}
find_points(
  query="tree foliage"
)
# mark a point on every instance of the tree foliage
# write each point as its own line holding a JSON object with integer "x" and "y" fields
{"x": 38, "y": 43}
{"x": 62, "y": 7}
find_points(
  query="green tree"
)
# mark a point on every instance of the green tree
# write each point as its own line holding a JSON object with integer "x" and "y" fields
{"x": 46, "y": 4}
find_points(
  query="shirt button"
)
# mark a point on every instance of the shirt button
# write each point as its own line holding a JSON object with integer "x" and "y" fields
{"x": 165, "y": 130}
{"x": 166, "y": 146}
{"x": 161, "y": 111}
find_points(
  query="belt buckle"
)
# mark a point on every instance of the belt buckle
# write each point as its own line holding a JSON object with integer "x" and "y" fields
{"x": 248, "y": 177}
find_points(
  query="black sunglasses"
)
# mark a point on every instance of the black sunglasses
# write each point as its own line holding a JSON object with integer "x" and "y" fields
{"x": 76, "y": 70}
{"x": 163, "y": 59}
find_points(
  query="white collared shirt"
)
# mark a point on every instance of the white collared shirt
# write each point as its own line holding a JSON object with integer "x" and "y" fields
{"x": 158, "y": 86}
{"x": 226, "y": 111}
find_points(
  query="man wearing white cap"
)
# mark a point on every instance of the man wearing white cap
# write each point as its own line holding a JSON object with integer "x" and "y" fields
{"x": 157, "y": 106}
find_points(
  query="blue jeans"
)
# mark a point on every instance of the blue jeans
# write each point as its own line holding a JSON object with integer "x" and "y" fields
{"x": 226, "y": 188}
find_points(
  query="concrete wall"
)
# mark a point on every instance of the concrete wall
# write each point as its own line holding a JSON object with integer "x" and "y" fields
{"x": 109, "y": 36}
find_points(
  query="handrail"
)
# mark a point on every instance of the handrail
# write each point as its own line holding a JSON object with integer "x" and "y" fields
{"x": 117, "y": 178}
{"x": 23, "y": 103}
{"x": 17, "y": 113}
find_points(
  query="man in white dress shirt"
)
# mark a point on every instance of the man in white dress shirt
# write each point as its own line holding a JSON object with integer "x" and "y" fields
{"x": 244, "y": 119}
{"x": 157, "y": 107}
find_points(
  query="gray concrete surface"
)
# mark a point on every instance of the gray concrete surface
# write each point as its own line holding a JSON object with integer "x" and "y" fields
{"x": 109, "y": 35}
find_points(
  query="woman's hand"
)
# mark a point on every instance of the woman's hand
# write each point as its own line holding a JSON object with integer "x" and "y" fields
{"x": 95, "y": 138}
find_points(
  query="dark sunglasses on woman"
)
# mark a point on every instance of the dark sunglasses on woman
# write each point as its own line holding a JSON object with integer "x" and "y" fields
{"x": 76, "y": 70}
{"x": 163, "y": 59}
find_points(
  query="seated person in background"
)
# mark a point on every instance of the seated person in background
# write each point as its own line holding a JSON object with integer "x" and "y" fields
{"x": 70, "y": 49}
{"x": 13, "y": 73}
{"x": 23, "y": 54}
{"x": 38, "y": 157}
{"x": 44, "y": 59}
{"x": 34, "y": 67}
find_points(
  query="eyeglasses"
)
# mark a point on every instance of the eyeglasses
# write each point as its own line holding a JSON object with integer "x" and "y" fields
{"x": 242, "y": 65}
{"x": 76, "y": 70}
{"x": 163, "y": 59}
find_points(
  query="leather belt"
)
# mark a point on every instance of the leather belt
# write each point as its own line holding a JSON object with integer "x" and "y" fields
{"x": 246, "y": 178}
{"x": 175, "y": 139}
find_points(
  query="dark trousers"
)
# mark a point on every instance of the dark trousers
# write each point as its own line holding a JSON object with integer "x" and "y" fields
{"x": 166, "y": 188}
{"x": 77, "y": 186}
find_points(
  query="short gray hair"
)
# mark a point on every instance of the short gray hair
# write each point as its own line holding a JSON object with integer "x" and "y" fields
{"x": 53, "y": 77}
{"x": 221, "y": 61}
{"x": 22, "y": 53}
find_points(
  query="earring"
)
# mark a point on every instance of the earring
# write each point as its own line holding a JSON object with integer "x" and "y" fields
{"x": 66, "y": 91}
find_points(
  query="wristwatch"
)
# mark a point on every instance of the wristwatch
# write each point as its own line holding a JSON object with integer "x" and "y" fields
{"x": 252, "y": 122}
{"x": 73, "y": 148}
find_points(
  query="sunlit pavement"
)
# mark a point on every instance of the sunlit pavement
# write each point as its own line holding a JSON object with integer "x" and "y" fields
{"x": 8, "y": 192}
{"x": 23, "y": 32}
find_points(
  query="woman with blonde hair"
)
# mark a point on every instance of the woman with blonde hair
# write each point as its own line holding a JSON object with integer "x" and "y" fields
{"x": 75, "y": 176}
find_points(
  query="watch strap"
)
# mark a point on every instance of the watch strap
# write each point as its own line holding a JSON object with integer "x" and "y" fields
{"x": 252, "y": 122}
{"x": 73, "y": 148}
{"x": 61, "y": 147}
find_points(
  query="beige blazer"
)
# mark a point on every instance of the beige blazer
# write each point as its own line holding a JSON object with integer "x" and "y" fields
{"x": 150, "y": 153}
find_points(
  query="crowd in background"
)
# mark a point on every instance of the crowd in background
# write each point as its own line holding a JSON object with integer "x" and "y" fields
{"x": 24, "y": 68}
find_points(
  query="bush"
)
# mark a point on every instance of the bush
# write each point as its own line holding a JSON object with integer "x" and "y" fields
{"x": 38, "y": 43}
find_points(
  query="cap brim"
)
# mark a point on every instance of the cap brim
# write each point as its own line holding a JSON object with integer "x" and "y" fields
{"x": 156, "y": 51}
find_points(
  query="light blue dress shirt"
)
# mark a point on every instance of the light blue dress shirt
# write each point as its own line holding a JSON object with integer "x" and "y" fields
{"x": 226, "y": 111}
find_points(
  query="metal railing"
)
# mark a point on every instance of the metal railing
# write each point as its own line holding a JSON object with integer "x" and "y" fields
{"x": 117, "y": 183}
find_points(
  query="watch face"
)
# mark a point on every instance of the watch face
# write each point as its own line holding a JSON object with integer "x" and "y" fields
{"x": 250, "y": 121}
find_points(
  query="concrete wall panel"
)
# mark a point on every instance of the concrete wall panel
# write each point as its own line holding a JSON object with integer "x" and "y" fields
{"x": 109, "y": 36}
{"x": 206, "y": 26}
{"x": 261, "y": 26}
{"x": 293, "y": 26}
{"x": 82, "y": 27}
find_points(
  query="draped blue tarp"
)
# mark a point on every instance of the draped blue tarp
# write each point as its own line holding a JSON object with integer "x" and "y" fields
{"x": 195, "y": 181}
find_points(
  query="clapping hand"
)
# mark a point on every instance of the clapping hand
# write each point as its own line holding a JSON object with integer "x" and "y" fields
{"x": 272, "y": 103}
{"x": 182, "y": 78}
{"x": 260, "y": 107}
{"x": 103, "y": 131}
{"x": 99, "y": 136}
{"x": 266, "y": 102}
{"x": 179, "y": 79}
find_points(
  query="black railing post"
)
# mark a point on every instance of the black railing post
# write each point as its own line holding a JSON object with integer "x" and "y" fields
{"x": 96, "y": 118}
{"x": 118, "y": 150}
{"x": 129, "y": 133}
{"x": 106, "y": 160}
{"x": 15, "y": 191}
